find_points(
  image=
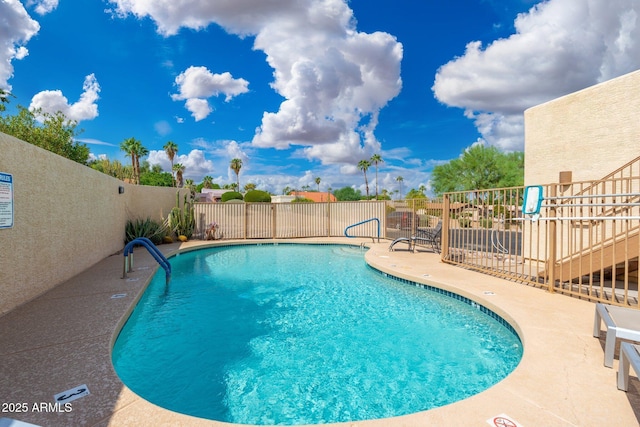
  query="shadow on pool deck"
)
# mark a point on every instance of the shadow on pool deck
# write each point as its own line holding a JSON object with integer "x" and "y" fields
{"x": 63, "y": 339}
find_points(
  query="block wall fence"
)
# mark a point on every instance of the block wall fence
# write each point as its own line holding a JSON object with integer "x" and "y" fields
{"x": 66, "y": 217}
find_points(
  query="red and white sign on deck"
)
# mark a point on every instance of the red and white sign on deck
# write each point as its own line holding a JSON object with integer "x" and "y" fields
{"x": 503, "y": 420}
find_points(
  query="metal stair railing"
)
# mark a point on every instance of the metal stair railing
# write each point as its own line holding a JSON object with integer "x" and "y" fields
{"x": 153, "y": 250}
{"x": 363, "y": 222}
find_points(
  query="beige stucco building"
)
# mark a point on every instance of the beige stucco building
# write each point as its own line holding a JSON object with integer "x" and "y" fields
{"x": 590, "y": 133}
{"x": 584, "y": 138}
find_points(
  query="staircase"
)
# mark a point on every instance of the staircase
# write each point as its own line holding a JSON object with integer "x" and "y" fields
{"x": 602, "y": 259}
{"x": 601, "y": 247}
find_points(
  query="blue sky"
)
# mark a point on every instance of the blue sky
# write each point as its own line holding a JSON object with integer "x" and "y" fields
{"x": 300, "y": 89}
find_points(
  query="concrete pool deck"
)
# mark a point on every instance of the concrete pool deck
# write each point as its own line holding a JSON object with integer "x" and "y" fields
{"x": 63, "y": 338}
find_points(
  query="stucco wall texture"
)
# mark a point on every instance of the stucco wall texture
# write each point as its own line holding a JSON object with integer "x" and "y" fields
{"x": 591, "y": 132}
{"x": 67, "y": 217}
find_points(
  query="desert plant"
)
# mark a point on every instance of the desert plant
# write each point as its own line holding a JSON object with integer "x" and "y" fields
{"x": 302, "y": 200}
{"x": 182, "y": 221}
{"x": 465, "y": 219}
{"x": 465, "y": 222}
{"x": 231, "y": 195}
{"x": 486, "y": 223}
{"x": 148, "y": 228}
{"x": 257, "y": 196}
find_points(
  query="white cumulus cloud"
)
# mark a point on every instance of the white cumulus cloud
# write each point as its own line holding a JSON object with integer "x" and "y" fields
{"x": 16, "y": 29}
{"x": 43, "y": 7}
{"x": 53, "y": 101}
{"x": 560, "y": 46}
{"x": 334, "y": 79}
{"x": 196, "y": 84}
{"x": 196, "y": 165}
{"x": 234, "y": 150}
{"x": 199, "y": 108}
{"x": 243, "y": 17}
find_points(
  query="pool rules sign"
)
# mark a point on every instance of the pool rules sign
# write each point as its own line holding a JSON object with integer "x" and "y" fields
{"x": 6, "y": 200}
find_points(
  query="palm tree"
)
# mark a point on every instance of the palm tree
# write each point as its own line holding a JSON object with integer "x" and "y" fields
{"x": 179, "y": 170}
{"x": 207, "y": 182}
{"x": 286, "y": 190}
{"x": 129, "y": 147}
{"x": 375, "y": 159}
{"x": 4, "y": 98}
{"x": 400, "y": 179}
{"x": 422, "y": 189}
{"x": 249, "y": 186}
{"x": 141, "y": 151}
{"x": 364, "y": 165}
{"x": 236, "y": 165}
{"x": 188, "y": 183}
{"x": 318, "y": 182}
{"x": 171, "y": 148}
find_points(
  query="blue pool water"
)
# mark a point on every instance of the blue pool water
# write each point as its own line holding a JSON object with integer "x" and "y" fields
{"x": 304, "y": 334}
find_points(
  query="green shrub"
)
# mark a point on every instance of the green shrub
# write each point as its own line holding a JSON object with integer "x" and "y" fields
{"x": 257, "y": 196}
{"x": 465, "y": 222}
{"x": 302, "y": 200}
{"x": 148, "y": 228}
{"x": 486, "y": 223}
{"x": 231, "y": 195}
{"x": 465, "y": 219}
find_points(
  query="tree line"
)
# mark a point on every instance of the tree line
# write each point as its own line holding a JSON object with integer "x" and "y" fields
{"x": 478, "y": 167}
{"x": 53, "y": 132}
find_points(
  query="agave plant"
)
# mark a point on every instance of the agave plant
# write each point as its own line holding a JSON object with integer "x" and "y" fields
{"x": 148, "y": 228}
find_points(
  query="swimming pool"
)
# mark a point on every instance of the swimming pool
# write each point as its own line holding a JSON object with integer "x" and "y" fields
{"x": 305, "y": 334}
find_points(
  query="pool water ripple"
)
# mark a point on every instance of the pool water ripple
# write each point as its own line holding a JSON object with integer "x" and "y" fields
{"x": 304, "y": 334}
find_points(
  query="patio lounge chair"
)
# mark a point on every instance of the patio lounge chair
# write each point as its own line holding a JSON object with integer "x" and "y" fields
{"x": 425, "y": 236}
{"x": 620, "y": 323}
{"x": 629, "y": 355}
{"x": 406, "y": 240}
{"x": 429, "y": 236}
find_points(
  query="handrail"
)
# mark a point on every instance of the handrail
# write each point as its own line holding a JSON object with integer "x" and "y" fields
{"x": 363, "y": 222}
{"x": 611, "y": 175}
{"x": 579, "y": 218}
{"x": 153, "y": 250}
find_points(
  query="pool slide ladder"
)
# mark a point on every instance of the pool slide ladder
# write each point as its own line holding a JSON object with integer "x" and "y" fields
{"x": 364, "y": 222}
{"x": 153, "y": 250}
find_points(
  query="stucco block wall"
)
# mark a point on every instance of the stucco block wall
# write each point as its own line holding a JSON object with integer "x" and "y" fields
{"x": 67, "y": 217}
{"x": 590, "y": 133}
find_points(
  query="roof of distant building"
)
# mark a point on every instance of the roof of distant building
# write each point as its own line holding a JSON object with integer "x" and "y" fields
{"x": 316, "y": 196}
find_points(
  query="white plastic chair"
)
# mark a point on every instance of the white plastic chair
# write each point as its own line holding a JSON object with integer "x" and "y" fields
{"x": 620, "y": 323}
{"x": 629, "y": 355}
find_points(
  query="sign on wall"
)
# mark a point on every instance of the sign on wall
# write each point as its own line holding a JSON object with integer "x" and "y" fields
{"x": 6, "y": 200}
